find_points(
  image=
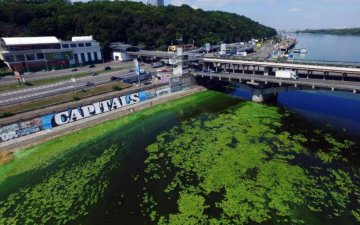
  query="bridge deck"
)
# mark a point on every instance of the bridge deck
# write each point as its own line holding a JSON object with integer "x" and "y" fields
{"x": 314, "y": 83}
{"x": 159, "y": 54}
{"x": 334, "y": 69}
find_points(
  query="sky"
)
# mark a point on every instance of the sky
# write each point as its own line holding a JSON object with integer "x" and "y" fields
{"x": 287, "y": 14}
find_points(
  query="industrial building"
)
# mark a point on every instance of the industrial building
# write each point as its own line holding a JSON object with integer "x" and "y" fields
{"x": 29, "y": 54}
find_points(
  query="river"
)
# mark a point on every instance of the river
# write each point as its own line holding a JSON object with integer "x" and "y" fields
{"x": 325, "y": 47}
{"x": 213, "y": 157}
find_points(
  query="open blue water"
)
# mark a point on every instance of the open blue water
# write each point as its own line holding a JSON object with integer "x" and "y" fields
{"x": 326, "y": 47}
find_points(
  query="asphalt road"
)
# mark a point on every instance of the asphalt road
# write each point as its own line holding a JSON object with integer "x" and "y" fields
{"x": 29, "y": 94}
{"x": 65, "y": 72}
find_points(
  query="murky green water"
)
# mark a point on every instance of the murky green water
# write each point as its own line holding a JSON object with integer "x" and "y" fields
{"x": 204, "y": 159}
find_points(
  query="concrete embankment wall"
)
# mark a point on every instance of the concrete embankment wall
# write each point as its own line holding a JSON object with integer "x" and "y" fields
{"x": 47, "y": 125}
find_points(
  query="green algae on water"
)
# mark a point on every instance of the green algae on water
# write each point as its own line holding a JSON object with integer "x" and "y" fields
{"x": 61, "y": 197}
{"x": 253, "y": 167}
{"x": 39, "y": 156}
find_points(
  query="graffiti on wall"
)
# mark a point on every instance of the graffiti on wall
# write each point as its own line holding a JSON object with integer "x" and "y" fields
{"x": 49, "y": 121}
{"x": 20, "y": 129}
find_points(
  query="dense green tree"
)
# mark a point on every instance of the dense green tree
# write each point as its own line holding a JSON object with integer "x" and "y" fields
{"x": 131, "y": 22}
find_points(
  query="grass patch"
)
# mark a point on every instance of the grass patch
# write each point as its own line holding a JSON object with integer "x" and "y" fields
{"x": 116, "y": 88}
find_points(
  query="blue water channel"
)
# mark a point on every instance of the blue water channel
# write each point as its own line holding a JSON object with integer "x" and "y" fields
{"x": 324, "y": 47}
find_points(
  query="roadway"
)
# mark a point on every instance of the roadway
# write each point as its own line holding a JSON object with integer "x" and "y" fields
{"x": 152, "y": 54}
{"x": 65, "y": 72}
{"x": 309, "y": 82}
{"x": 30, "y": 94}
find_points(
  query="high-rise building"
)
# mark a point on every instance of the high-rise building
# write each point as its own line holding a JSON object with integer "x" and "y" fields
{"x": 157, "y": 2}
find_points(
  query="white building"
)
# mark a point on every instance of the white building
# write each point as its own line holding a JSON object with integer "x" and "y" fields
{"x": 38, "y": 53}
{"x": 119, "y": 51}
{"x": 157, "y": 2}
{"x": 85, "y": 49}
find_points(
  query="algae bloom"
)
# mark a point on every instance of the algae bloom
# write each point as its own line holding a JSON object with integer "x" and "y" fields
{"x": 242, "y": 167}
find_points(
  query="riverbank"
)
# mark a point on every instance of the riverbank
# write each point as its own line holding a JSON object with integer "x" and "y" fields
{"x": 199, "y": 152}
{"x": 37, "y": 138}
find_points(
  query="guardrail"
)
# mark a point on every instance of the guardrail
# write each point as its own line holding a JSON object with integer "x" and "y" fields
{"x": 305, "y": 62}
{"x": 330, "y": 84}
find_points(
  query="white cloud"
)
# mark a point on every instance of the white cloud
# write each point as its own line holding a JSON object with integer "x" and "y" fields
{"x": 293, "y": 10}
{"x": 221, "y": 3}
{"x": 178, "y": 2}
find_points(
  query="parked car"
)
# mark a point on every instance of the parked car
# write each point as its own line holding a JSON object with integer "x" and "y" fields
{"x": 92, "y": 66}
{"x": 89, "y": 84}
{"x": 107, "y": 68}
{"x": 74, "y": 70}
{"x": 131, "y": 70}
{"x": 94, "y": 74}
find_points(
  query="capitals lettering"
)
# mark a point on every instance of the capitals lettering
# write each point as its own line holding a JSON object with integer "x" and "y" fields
{"x": 95, "y": 109}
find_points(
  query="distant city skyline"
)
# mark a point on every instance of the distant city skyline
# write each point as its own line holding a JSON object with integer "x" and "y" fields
{"x": 287, "y": 14}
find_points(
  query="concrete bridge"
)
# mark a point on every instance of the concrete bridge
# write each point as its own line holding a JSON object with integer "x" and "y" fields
{"x": 265, "y": 87}
{"x": 188, "y": 56}
{"x": 268, "y": 66}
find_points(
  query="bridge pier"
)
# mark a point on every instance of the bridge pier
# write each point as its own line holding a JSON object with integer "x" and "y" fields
{"x": 326, "y": 74}
{"x": 344, "y": 75}
{"x": 259, "y": 96}
{"x": 309, "y": 72}
{"x": 267, "y": 71}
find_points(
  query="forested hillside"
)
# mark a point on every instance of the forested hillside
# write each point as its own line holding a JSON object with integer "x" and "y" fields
{"x": 130, "y": 22}
{"x": 345, "y": 31}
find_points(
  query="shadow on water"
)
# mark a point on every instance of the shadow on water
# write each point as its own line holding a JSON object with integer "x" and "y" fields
{"x": 339, "y": 110}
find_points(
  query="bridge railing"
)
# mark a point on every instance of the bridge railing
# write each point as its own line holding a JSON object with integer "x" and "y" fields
{"x": 347, "y": 64}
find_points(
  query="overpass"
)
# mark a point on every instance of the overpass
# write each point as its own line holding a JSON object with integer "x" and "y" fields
{"x": 260, "y": 78}
{"x": 189, "y": 56}
{"x": 152, "y": 54}
{"x": 268, "y": 66}
{"x": 264, "y": 87}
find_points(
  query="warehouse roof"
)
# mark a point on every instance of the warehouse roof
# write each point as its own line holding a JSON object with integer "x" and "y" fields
{"x": 82, "y": 38}
{"x": 30, "y": 40}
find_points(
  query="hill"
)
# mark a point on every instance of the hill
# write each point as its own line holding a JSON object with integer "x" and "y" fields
{"x": 345, "y": 31}
{"x": 126, "y": 21}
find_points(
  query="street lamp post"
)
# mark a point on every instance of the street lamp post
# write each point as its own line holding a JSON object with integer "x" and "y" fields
{"x": 102, "y": 54}
{"x": 27, "y": 67}
{"x": 46, "y": 61}
{"x": 68, "y": 57}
